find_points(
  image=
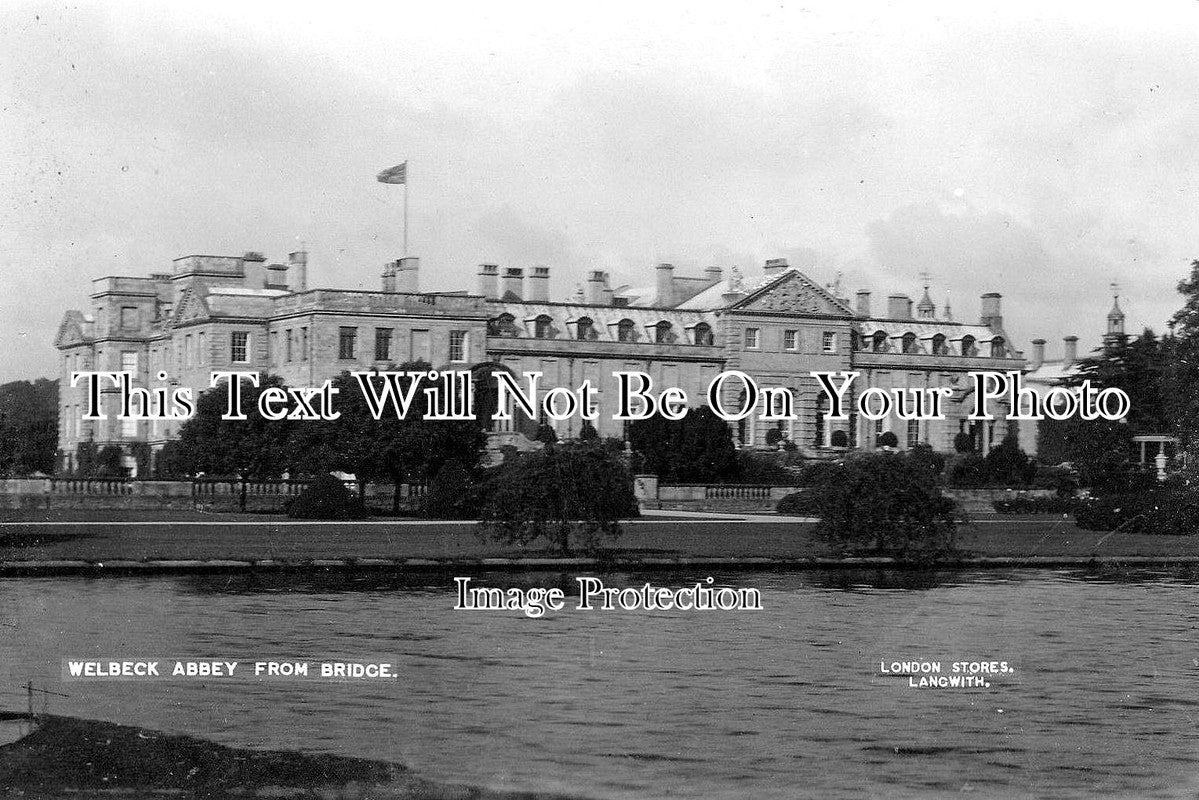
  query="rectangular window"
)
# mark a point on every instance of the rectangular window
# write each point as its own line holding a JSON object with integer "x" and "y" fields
{"x": 753, "y": 337}
{"x": 287, "y": 341}
{"x": 913, "y": 433}
{"x": 828, "y": 342}
{"x": 418, "y": 347}
{"x": 304, "y": 343}
{"x": 457, "y": 345}
{"x": 187, "y": 350}
{"x": 347, "y": 341}
{"x": 274, "y": 346}
{"x": 790, "y": 340}
{"x": 129, "y": 361}
{"x": 239, "y": 347}
{"x": 382, "y": 344}
{"x": 129, "y": 319}
{"x": 202, "y": 355}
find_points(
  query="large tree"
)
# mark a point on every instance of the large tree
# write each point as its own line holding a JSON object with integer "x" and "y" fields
{"x": 697, "y": 448}
{"x": 28, "y": 426}
{"x": 1182, "y": 374}
{"x": 255, "y": 447}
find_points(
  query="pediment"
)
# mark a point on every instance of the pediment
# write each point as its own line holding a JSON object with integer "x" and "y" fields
{"x": 795, "y": 293}
{"x": 70, "y": 331}
{"x": 192, "y": 306}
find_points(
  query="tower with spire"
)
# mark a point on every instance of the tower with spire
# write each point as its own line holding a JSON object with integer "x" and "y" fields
{"x": 1115, "y": 318}
{"x": 926, "y": 309}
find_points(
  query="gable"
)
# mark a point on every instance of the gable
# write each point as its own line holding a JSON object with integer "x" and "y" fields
{"x": 191, "y": 306}
{"x": 794, "y": 293}
{"x": 70, "y": 330}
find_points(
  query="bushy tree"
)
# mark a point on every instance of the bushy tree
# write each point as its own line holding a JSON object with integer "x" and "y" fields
{"x": 888, "y": 439}
{"x": 28, "y": 426}
{"x": 255, "y": 447}
{"x": 575, "y": 490}
{"x": 1007, "y": 464}
{"x": 884, "y": 502}
{"x": 695, "y": 449}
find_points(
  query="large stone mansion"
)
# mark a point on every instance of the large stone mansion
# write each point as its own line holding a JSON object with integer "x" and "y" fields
{"x": 239, "y": 312}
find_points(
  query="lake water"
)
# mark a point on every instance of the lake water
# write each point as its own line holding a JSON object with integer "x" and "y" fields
{"x": 784, "y": 702}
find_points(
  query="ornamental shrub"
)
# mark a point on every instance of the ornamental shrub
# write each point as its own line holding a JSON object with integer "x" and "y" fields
{"x": 326, "y": 497}
{"x": 884, "y": 502}
{"x": 888, "y": 439}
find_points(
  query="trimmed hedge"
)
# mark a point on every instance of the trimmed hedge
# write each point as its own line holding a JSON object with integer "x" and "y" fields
{"x": 326, "y": 498}
{"x": 1036, "y": 505}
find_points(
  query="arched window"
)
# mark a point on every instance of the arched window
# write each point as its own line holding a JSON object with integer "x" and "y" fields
{"x": 703, "y": 335}
{"x": 939, "y": 348}
{"x": 543, "y": 327}
{"x": 625, "y": 331}
{"x": 909, "y": 343}
{"x": 879, "y": 343}
{"x": 663, "y": 333}
{"x": 503, "y": 325}
{"x": 585, "y": 328}
{"x": 997, "y": 348}
{"x": 968, "y": 348}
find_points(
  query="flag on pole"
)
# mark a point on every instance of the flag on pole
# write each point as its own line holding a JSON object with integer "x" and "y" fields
{"x": 396, "y": 174}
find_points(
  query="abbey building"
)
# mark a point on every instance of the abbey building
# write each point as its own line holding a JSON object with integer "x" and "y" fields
{"x": 212, "y": 313}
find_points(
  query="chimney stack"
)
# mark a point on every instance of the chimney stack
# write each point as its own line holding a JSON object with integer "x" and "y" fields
{"x": 514, "y": 279}
{"x": 665, "y": 298}
{"x": 776, "y": 267}
{"x": 992, "y": 315}
{"x": 1071, "y": 350}
{"x": 408, "y": 275}
{"x": 489, "y": 281}
{"x": 713, "y": 274}
{"x": 899, "y": 306}
{"x": 539, "y": 285}
{"x": 276, "y": 276}
{"x": 863, "y": 303}
{"x": 1038, "y": 354}
{"x": 297, "y": 271}
{"x": 254, "y": 270}
{"x": 389, "y": 277}
{"x": 596, "y": 280}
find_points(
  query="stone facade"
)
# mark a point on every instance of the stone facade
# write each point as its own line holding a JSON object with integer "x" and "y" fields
{"x": 219, "y": 313}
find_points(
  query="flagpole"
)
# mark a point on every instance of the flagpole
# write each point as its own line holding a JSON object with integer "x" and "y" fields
{"x": 405, "y": 210}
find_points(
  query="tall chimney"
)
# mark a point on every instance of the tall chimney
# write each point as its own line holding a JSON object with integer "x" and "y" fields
{"x": 863, "y": 303}
{"x": 408, "y": 275}
{"x": 899, "y": 306}
{"x": 1071, "y": 350}
{"x": 297, "y": 271}
{"x": 992, "y": 315}
{"x": 665, "y": 298}
{"x": 514, "y": 280}
{"x": 539, "y": 285}
{"x": 276, "y": 276}
{"x": 595, "y": 287}
{"x": 713, "y": 274}
{"x": 776, "y": 267}
{"x": 254, "y": 270}
{"x": 1038, "y": 354}
{"x": 489, "y": 281}
{"x": 389, "y": 277}
{"x": 607, "y": 293}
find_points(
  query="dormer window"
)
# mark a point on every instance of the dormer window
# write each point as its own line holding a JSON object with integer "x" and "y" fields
{"x": 997, "y": 347}
{"x": 503, "y": 325}
{"x": 939, "y": 348}
{"x": 543, "y": 327}
{"x": 585, "y": 329}
{"x": 909, "y": 342}
{"x": 702, "y": 334}
{"x": 968, "y": 348}
{"x": 626, "y": 331}
{"x": 663, "y": 333}
{"x": 878, "y": 343}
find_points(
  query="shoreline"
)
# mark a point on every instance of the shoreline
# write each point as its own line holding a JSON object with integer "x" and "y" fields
{"x": 124, "y": 568}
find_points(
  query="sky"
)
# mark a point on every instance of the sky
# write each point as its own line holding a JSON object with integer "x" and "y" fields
{"x": 1043, "y": 151}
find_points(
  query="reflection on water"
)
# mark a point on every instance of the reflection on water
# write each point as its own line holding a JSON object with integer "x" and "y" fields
{"x": 782, "y": 702}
